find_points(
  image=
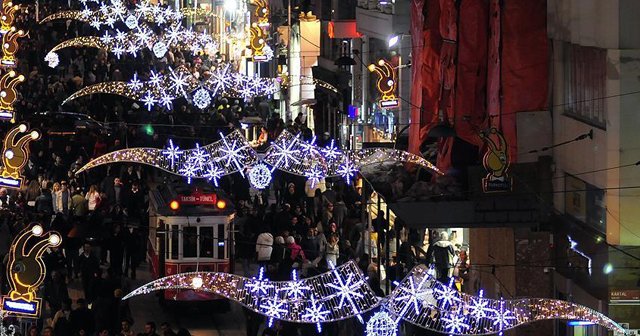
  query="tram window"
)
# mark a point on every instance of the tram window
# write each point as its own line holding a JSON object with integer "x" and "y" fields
{"x": 190, "y": 242}
{"x": 221, "y": 242}
{"x": 206, "y": 242}
{"x": 174, "y": 241}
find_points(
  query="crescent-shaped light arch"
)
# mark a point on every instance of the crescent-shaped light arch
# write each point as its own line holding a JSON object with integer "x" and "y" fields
{"x": 242, "y": 291}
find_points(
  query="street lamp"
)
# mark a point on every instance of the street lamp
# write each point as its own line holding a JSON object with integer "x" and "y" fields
{"x": 393, "y": 40}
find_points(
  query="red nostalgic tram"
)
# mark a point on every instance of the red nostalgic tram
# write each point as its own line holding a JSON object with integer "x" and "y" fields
{"x": 189, "y": 231}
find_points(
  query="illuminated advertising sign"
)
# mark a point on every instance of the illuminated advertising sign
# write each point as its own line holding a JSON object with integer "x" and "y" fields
{"x": 26, "y": 270}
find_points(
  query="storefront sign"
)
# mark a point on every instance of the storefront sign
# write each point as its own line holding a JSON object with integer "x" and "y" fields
{"x": 496, "y": 162}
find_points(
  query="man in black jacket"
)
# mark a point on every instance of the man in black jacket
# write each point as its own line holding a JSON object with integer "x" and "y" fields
{"x": 441, "y": 254}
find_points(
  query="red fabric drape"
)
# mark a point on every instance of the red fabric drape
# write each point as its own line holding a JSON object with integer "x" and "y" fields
{"x": 525, "y": 64}
{"x": 469, "y": 112}
{"x": 417, "y": 26}
{"x": 501, "y": 53}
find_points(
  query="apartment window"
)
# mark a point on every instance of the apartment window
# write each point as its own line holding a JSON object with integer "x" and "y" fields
{"x": 585, "y": 84}
{"x": 585, "y": 202}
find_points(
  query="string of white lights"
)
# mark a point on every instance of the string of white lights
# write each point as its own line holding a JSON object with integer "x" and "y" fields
{"x": 430, "y": 304}
{"x": 287, "y": 153}
{"x": 343, "y": 293}
{"x": 161, "y": 89}
{"x": 229, "y": 155}
{"x": 99, "y": 14}
{"x": 336, "y": 295}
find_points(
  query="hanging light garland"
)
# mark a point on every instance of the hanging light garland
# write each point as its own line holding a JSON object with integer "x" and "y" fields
{"x": 287, "y": 153}
{"x": 162, "y": 89}
{"x": 343, "y": 293}
{"x": 229, "y": 155}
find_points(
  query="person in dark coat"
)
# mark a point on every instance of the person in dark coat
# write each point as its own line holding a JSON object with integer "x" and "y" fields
{"x": 441, "y": 254}
{"x": 89, "y": 266}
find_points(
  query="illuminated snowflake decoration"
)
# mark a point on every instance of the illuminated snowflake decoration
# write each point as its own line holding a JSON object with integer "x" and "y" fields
{"x": 446, "y": 296}
{"x": 213, "y": 173}
{"x": 172, "y": 153}
{"x": 52, "y": 59}
{"x": 179, "y": 81}
{"x": 455, "y": 323}
{"x": 202, "y": 98}
{"x": 155, "y": 78}
{"x": 478, "y": 308}
{"x": 232, "y": 153}
{"x": 331, "y": 152}
{"x": 159, "y": 49}
{"x": 199, "y": 156}
{"x": 220, "y": 80}
{"x": 274, "y": 308}
{"x": 315, "y": 313}
{"x": 415, "y": 295}
{"x": 285, "y": 153}
{"x": 106, "y": 38}
{"x": 347, "y": 289}
{"x": 260, "y": 285}
{"x": 309, "y": 148}
{"x": 190, "y": 169}
{"x": 314, "y": 175}
{"x": 295, "y": 289}
{"x": 381, "y": 324}
{"x": 166, "y": 100}
{"x": 134, "y": 84}
{"x": 347, "y": 170}
{"x": 260, "y": 176}
{"x": 149, "y": 100}
{"x": 503, "y": 318}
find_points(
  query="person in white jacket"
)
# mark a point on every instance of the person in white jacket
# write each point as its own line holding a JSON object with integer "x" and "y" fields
{"x": 264, "y": 247}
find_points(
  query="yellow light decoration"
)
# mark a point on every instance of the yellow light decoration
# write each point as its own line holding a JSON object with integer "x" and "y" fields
{"x": 7, "y": 17}
{"x": 26, "y": 270}
{"x": 82, "y": 41}
{"x": 262, "y": 12}
{"x": 65, "y": 15}
{"x": 15, "y": 155}
{"x": 10, "y": 45}
{"x": 386, "y": 84}
{"x": 8, "y": 94}
{"x": 258, "y": 43}
{"x": 190, "y": 11}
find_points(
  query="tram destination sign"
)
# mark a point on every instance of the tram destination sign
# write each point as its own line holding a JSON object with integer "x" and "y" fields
{"x": 197, "y": 199}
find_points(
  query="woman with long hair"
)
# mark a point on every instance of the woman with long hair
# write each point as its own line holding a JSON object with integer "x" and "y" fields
{"x": 93, "y": 198}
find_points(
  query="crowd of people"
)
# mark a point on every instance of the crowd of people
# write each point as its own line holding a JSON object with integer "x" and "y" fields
{"x": 102, "y": 214}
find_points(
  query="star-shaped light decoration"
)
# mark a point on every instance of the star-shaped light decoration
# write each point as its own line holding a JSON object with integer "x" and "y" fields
{"x": 331, "y": 152}
{"x": 503, "y": 318}
{"x": 315, "y": 313}
{"x": 455, "y": 323}
{"x": 314, "y": 175}
{"x": 213, "y": 173}
{"x": 295, "y": 289}
{"x": 172, "y": 153}
{"x": 149, "y": 100}
{"x": 347, "y": 170}
{"x": 347, "y": 290}
{"x": 232, "y": 153}
{"x": 178, "y": 82}
{"x": 259, "y": 286}
{"x": 285, "y": 152}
